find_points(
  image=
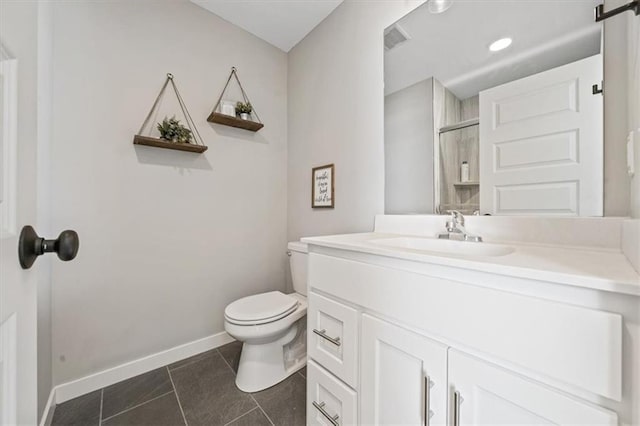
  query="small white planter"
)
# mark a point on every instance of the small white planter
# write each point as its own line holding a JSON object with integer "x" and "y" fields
{"x": 245, "y": 116}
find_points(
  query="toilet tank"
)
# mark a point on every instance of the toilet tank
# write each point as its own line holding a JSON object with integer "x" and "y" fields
{"x": 298, "y": 254}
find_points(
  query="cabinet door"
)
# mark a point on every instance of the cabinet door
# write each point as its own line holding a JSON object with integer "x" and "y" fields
{"x": 404, "y": 376}
{"x": 485, "y": 394}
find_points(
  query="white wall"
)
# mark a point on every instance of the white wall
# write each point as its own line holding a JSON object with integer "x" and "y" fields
{"x": 336, "y": 115}
{"x": 622, "y": 109}
{"x": 616, "y": 179}
{"x": 408, "y": 150}
{"x": 167, "y": 238}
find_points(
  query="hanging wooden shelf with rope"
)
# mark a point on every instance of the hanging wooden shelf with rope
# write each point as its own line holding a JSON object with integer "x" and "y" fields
{"x": 191, "y": 142}
{"x": 218, "y": 117}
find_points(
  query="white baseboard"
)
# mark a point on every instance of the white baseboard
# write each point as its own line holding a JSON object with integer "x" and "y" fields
{"x": 84, "y": 385}
{"x": 47, "y": 414}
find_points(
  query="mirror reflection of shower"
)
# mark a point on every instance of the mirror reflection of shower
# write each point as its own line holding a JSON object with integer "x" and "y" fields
{"x": 429, "y": 134}
{"x": 499, "y": 118}
{"x": 457, "y": 169}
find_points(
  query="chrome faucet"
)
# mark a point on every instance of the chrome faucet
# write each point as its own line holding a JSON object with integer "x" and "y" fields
{"x": 456, "y": 229}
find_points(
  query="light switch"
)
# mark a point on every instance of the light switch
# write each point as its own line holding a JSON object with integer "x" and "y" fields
{"x": 630, "y": 154}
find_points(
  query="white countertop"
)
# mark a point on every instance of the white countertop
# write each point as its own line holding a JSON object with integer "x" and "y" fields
{"x": 597, "y": 268}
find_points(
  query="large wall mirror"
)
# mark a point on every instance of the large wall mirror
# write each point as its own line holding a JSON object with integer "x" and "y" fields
{"x": 494, "y": 107}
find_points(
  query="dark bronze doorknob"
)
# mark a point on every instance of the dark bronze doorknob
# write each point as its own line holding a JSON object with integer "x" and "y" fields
{"x": 30, "y": 246}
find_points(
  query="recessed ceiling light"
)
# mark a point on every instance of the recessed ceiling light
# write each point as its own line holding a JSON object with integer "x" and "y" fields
{"x": 439, "y": 6}
{"x": 503, "y": 43}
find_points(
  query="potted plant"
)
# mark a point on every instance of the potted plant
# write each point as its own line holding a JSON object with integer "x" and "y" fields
{"x": 244, "y": 110}
{"x": 171, "y": 130}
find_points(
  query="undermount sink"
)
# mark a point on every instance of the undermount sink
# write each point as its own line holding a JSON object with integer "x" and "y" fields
{"x": 432, "y": 245}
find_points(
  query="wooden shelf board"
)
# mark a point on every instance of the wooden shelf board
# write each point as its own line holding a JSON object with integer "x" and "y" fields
{"x": 161, "y": 143}
{"x": 239, "y": 123}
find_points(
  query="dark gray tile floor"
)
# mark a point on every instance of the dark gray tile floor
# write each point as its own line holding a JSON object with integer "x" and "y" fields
{"x": 196, "y": 391}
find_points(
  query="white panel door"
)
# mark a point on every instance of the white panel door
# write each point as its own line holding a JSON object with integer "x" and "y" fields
{"x": 541, "y": 143}
{"x": 484, "y": 394}
{"x": 18, "y": 295}
{"x": 404, "y": 376}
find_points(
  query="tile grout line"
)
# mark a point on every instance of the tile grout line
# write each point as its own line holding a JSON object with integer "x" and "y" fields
{"x": 201, "y": 356}
{"x": 101, "y": 405}
{"x": 250, "y": 394}
{"x": 241, "y": 415}
{"x": 262, "y": 409}
{"x": 136, "y": 406}
{"x": 226, "y": 362}
{"x": 177, "y": 397}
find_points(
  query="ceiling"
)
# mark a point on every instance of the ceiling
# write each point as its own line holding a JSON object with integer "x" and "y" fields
{"x": 453, "y": 46}
{"x": 283, "y": 23}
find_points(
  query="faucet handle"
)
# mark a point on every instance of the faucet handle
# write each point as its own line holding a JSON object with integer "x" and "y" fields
{"x": 456, "y": 216}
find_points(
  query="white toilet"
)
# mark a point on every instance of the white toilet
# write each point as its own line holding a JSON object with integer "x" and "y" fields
{"x": 272, "y": 327}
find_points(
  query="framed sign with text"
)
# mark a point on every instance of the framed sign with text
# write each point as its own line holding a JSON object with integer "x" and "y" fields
{"x": 322, "y": 186}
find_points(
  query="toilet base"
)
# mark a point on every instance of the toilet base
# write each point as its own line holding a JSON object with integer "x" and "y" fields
{"x": 262, "y": 366}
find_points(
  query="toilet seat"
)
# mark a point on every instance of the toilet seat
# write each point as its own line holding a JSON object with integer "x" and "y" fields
{"x": 260, "y": 308}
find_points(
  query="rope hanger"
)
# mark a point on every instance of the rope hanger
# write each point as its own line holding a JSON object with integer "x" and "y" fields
{"x": 234, "y": 73}
{"x": 194, "y": 130}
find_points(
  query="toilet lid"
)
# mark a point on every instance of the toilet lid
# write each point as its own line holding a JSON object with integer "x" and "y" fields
{"x": 260, "y": 308}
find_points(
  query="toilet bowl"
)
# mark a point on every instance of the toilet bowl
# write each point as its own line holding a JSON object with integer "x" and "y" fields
{"x": 272, "y": 329}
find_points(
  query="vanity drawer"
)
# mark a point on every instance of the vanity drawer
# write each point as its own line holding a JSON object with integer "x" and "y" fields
{"x": 333, "y": 337}
{"x": 329, "y": 401}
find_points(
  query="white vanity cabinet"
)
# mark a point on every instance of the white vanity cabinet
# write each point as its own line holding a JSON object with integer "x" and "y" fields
{"x": 404, "y": 376}
{"x": 391, "y": 344}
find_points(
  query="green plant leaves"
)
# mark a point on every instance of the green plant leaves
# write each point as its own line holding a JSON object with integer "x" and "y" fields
{"x": 242, "y": 108}
{"x": 171, "y": 130}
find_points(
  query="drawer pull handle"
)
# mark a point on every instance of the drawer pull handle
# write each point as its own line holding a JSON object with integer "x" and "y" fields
{"x": 457, "y": 400}
{"x": 428, "y": 413}
{"x": 323, "y": 333}
{"x": 332, "y": 419}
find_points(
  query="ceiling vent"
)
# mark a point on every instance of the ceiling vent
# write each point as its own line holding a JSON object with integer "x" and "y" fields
{"x": 395, "y": 36}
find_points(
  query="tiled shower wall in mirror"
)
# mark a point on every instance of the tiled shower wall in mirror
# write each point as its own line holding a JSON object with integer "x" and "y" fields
{"x": 456, "y": 131}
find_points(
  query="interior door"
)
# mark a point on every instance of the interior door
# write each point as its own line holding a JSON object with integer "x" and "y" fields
{"x": 404, "y": 376}
{"x": 541, "y": 143}
{"x": 485, "y": 394}
{"x": 18, "y": 296}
